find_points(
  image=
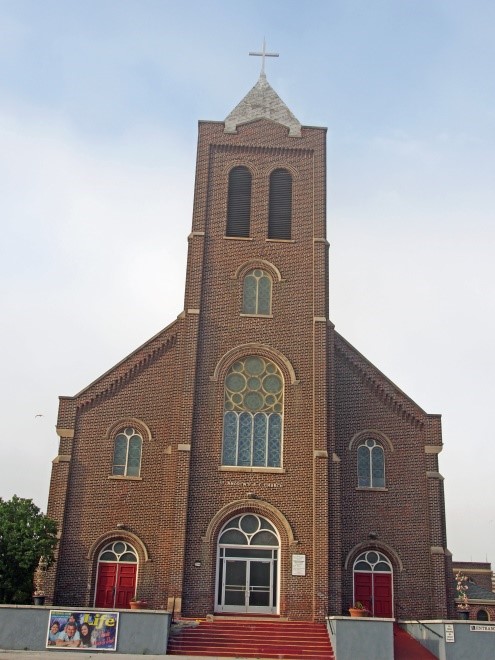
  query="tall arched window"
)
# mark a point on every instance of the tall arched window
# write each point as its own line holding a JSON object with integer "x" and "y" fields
{"x": 127, "y": 453}
{"x": 280, "y": 205}
{"x": 253, "y": 407}
{"x": 371, "y": 464}
{"x": 257, "y": 293}
{"x": 239, "y": 202}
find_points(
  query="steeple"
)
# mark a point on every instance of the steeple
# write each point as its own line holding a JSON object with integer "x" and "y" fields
{"x": 262, "y": 102}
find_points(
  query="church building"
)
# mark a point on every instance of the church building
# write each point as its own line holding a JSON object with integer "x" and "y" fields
{"x": 247, "y": 459}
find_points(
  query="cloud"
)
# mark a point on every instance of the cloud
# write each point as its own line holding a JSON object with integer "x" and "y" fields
{"x": 92, "y": 265}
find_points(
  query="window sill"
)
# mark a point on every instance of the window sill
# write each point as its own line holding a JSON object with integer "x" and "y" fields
{"x": 382, "y": 489}
{"x": 258, "y": 316}
{"x": 120, "y": 477}
{"x": 244, "y": 468}
{"x": 239, "y": 238}
{"x": 280, "y": 240}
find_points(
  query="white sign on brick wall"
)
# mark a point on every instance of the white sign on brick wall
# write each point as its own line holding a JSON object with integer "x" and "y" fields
{"x": 298, "y": 564}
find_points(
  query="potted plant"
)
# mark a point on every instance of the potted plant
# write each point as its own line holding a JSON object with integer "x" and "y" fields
{"x": 138, "y": 603}
{"x": 358, "y": 609}
{"x": 39, "y": 582}
{"x": 462, "y": 597}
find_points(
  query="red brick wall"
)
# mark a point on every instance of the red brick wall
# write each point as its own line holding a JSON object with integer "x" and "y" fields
{"x": 174, "y": 386}
{"x": 300, "y": 492}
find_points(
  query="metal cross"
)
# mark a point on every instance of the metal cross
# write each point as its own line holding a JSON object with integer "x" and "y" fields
{"x": 264, "y": 54}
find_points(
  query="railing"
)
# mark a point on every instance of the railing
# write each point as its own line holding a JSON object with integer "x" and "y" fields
{"x": 421, "y": 623}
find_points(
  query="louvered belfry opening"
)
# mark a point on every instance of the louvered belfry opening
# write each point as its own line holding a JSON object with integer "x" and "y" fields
{"x": 280, "y": 213}
{"x": 239, "y": 202}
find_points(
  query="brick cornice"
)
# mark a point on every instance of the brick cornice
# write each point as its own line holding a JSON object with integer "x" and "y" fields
{"x": 258, "y": 149}
{"x": 384, "y": 390}
{"x": 134, "y": 369}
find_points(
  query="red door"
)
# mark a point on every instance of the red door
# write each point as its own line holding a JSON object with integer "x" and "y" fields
{"x": 382, "y": 595}
{"x": 374, "y": 591}
{"x": 116, "y": 584}
{"x": 363, "y": 589}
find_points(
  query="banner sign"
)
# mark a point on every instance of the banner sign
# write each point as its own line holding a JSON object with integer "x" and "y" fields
{"x": 481, "y": 628}
{"x": 82, "y": 629}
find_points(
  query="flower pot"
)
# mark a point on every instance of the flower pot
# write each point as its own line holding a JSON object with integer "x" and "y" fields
{"x": 138, "y": 604}
{"x": 39, "y": 600}
{"x": 354, "y": 611}
{"x": 463, "y": 614}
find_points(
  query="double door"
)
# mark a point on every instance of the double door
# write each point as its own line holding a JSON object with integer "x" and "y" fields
{"x": 115, "y": 585}
{"x": 374, "y": 590}
{"x": 247, "y": 585}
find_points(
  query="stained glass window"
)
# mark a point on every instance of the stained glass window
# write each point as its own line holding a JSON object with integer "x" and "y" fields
{"x": 371, "y": 465}
{"x": 257, "y": 293}
{"x": 253, "y": 407}
{"x": 127, "y": 453}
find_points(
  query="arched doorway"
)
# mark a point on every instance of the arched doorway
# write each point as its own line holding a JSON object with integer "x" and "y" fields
{"x": 117, "y": 575}
{"x": 247, "y": 566}
{"x": 373, "y": 583}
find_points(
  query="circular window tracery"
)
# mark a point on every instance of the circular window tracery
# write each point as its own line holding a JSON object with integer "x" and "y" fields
{"x": 119, "y": 551}
{"x": 254, "y": 384}
{"x": 373, "y": 562}
{"x": 248, "y": 529}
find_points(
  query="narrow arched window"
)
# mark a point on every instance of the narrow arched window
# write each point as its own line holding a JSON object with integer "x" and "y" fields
{"x": 371, "y": 465}
{"x": 280, "y": 205}
{"x": 253, "y": 408}
{"x": 127, "y": 453}
{"x": 257, "y": 293}
{"x": 482, "y": 615}
{"x": 239, "y": 202}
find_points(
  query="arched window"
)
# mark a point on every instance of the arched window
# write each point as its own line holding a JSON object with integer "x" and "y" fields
{"x": 482, "y": 615}
{"x": 371, "y": 465}
{"x": 373, "y": 583}
{"x": 253, "y": 407}
{"x": 239, "y": 202}
{"x": 257, "y": 293}
{"x": 280, "y": 205}
{"x": 127, "y": 453}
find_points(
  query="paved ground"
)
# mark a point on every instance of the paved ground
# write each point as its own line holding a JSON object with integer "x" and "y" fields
{"x": 85, "y": 655}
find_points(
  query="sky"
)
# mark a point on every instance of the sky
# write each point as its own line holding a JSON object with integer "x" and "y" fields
{"x": 99, "y": 104}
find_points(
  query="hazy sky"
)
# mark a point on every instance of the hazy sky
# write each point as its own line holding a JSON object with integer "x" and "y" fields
{"x": 99, "y": 103}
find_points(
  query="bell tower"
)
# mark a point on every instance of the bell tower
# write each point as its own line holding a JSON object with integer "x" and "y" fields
{"x": 256, "y": 309}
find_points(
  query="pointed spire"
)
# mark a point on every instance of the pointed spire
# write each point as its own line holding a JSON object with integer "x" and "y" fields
{"x": 262, "y": 102}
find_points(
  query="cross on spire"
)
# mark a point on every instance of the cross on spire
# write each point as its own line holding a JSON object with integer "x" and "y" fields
{"x": 264, "y": 54}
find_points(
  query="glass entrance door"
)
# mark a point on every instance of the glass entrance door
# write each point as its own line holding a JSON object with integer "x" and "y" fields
{"x": 247, "y": 566}
{"x": 247, "y": 586}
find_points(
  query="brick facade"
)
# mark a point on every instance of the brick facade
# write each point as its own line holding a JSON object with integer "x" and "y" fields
{"x": 171, "y": 390}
